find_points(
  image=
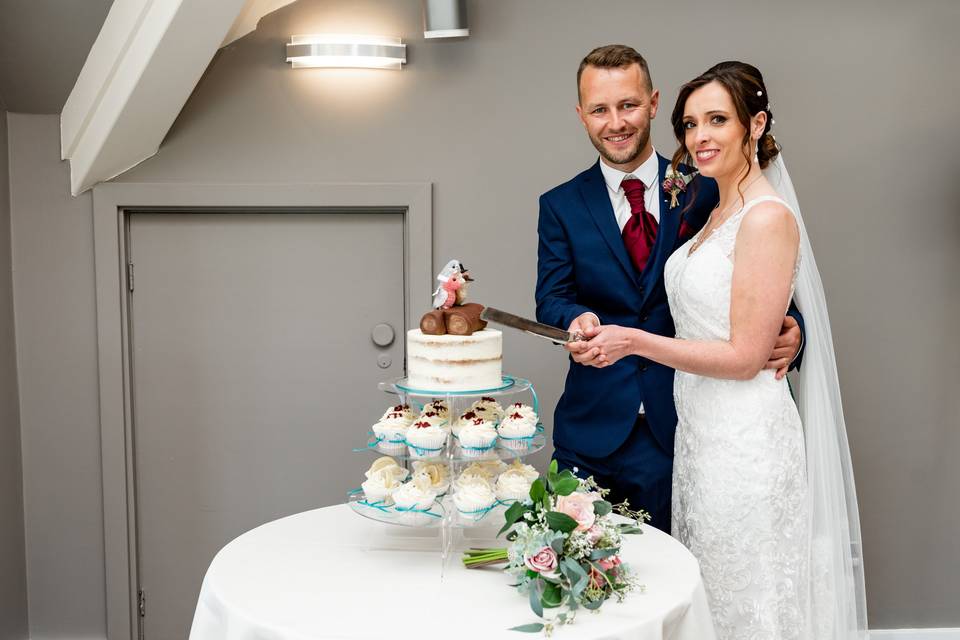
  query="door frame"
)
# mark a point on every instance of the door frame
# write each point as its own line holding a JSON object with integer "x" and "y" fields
{"x": 112, "y": 204}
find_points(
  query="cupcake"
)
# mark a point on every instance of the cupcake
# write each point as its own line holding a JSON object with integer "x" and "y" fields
{"x": 486, "y": 470}
{"x": 437, "y": 406}
{"x": 466, "y": 418}
{"x": 437, "y": 473}
{"x": 414, "y": 499}
{"x": 433, "y": 417}
{"x": 514, "y": 483}
{"x": 489, "y": 407}
{"x": 477, "y": 438}
{"x": 400, "y": 411}
{"x": 390, "y": 433}
{"x": 474, "y": 499}
{"x": 426, "y": 440}
{"x": 383, "y": 478}
{"x": 516, "y": 430}
{"x": 522, "y": 409}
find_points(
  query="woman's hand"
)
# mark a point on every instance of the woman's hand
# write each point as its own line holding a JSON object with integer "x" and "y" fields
{"x": 613, "y": 341}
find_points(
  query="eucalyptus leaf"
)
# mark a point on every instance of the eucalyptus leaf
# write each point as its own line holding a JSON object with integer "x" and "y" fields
{"x": 537, "y": 491}
{"x": 575, "y": 568}
{"x": 565, "y": 486}
{"x": 600, "y": 554}
{"x": 512, "y": 514}
{"x": 596, "y": 604}
{"x": 533, "y": 627}
{"x": 552, "y": 595}
{"x": 602, "y": 507}
{"x": 560, "y": 522}
{"x": 557, "y": 546}
{"x": 536, "y": 592}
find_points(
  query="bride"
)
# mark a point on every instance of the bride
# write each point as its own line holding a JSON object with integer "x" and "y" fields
{"x": 763, "y": 492}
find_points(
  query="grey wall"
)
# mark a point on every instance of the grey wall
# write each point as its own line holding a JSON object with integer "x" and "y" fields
{"x": 56, "y": 338}
{"x": 13, "y": 585}
{"x": 864, "y": 98}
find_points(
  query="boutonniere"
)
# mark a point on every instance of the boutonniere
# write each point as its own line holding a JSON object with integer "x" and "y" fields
{"x": 676, "y": 183}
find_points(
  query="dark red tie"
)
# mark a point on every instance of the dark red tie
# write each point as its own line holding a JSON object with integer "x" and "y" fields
{"x": 640, "y": 232}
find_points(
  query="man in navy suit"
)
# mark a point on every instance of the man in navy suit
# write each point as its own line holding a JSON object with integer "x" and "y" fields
{"x": 594, "y": 266}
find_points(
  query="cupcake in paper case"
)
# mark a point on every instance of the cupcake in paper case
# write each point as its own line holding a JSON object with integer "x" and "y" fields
{"x": 379, "y": 486}
{"x": 477, "y": 438}
{"x": 514, "y": 483}
{"x": 516, "y": 430}
{"x": 391, "y": 433}
{"x": 425, "y": 439}
{"x": 468, "y": 417}
{"x": 474, "y": 499}
{"x": 436, "y": 472}
{"x": 414, "y": 499}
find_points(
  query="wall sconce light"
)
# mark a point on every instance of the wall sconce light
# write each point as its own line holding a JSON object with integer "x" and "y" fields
{"x": 445, "y": 19}
{"x": 333, "y": 50}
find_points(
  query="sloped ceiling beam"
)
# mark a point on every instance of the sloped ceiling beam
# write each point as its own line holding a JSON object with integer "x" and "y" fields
{"x": 147, "y": 59}
{"x": 247, "y": 21}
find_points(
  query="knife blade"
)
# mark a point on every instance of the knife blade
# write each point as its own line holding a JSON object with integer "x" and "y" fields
{"x": 559, "y": 336}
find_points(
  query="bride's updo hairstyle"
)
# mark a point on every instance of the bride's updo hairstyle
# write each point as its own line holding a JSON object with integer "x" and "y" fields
{"x": 744, "y": 84}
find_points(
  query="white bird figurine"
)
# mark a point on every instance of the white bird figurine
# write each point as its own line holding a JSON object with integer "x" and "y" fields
{"x": 453, "y": 285}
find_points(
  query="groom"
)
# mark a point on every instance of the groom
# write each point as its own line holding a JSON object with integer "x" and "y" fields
{"x": 604, "y": 239}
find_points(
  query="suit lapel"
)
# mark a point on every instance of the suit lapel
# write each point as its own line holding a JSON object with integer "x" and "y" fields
{"x": 666, "y": 234}
{"x": 594, "y": 191}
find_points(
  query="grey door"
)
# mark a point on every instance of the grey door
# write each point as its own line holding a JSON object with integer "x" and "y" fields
{"x": 254, "y": 374}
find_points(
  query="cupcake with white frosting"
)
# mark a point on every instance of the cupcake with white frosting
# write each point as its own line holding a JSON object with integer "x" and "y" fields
{"x": 490, "y": 408}
{"x": 383, "y": 478}
{"x": 514, "y": 483}
{"x": 436, "y": 472}
{"x": 477, "y": 438}
{"x": 414, "y": 499}
{"x": 474, "y": 499}
{"x": 391, "y": 432}
{"x": 426, "y": 439}
{"x": 517, "y": 428}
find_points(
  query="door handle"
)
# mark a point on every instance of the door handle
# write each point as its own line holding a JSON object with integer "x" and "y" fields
{"x": 382, "y": 335}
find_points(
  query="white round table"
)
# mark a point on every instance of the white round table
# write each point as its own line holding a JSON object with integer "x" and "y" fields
{"x": 329, "y": 573}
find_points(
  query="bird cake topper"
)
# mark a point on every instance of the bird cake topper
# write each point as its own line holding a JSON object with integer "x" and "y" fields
{"x": 452, "y": 314}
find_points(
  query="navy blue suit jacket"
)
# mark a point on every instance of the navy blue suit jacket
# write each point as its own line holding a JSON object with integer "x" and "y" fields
{"x": 583, "y": 266}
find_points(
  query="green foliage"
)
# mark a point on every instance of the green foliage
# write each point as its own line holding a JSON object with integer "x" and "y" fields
{"x": 602, "y": 508}
{"x": 552, "y": 595}
{"x": 536, "y": 593}
{"x": 560, "y": 522}
{"x": 533, "y": 627}
{"x": 564, "y": 486}
{"x": 600, "y": 554}
{"x": 513, "y": 513}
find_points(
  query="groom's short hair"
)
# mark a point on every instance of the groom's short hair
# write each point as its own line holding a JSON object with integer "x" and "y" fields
{"x": 612, "y": 56}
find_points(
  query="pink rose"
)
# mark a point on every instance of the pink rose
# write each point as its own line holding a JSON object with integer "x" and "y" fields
{"x": 594, "y": 534}
{"x": 609, "y": 563}
{"x": 543, "y": 561}
{"x": 579, "y": 506}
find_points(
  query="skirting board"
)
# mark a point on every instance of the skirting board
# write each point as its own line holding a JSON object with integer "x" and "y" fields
{"x": 915, "y": 634}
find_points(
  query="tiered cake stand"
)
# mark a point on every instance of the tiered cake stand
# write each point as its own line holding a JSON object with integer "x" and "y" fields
{"x": 454, "y": 527}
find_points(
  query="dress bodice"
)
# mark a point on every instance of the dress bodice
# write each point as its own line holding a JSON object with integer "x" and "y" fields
{"x": 699, "y": 284}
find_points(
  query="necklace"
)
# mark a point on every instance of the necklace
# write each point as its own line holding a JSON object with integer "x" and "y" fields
{"x": 712, "y": 224}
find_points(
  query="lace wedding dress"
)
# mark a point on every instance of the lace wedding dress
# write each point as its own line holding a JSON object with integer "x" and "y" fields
{"x": 739, "y": 480}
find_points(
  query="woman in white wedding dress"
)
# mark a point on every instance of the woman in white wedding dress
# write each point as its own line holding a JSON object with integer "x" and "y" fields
{"x": 764, "y": 500}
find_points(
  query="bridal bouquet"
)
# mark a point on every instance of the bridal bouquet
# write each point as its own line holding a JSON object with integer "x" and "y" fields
{"x": 565, "y": 547}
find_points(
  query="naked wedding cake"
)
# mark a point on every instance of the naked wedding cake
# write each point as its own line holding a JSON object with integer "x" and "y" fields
{"x": 453, "y": 350}
{"x": 454, "y": 363}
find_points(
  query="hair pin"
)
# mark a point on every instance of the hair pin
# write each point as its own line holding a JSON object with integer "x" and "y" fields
{"x": 759, "y": 93}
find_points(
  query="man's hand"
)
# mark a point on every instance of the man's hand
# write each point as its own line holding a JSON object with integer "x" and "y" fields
{"x": 786, "y": 348}
{"x": 581, "y": 351}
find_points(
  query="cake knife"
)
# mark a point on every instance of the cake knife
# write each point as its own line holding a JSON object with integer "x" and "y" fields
{"x": 559, "y": 336}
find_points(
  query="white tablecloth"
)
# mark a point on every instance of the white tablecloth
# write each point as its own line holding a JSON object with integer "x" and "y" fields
{"x": 329, "y": 573}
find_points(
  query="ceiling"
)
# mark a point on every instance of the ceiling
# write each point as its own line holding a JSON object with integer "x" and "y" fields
{"x": 43, "y": 45}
